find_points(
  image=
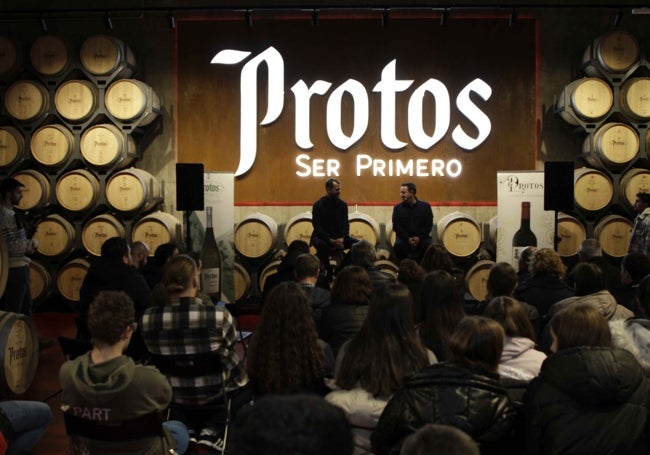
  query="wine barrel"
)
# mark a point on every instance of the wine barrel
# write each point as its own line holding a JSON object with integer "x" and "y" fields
{"x": 102, "y": 55}
{"x": 132, "y": 101}
{"x": 52, "y": 145}
{"x": 40, "y": 280}
{"x": 476, "y": 279}
{"x": 387, "y": 266}
{"x": 588, "y": 99}
{"x": 571, "y": 232}
{"x": 132, "y": 189}
{"x": 19, "y": 339}
{"x": 157, "y": 228}
{"x": 76, "y": 100}
{"x": 460, "y": 234}
{"x": 255, "y": 235}
{"x": 269, "y": 269}
{"x": 634, "y": 99}
{"x": 592, "y": 189}
{"x": 71, "y": 277}
{"x": 364, "y": 227}
{"x": 9, "y": 57}
{"x": 27, "y": 100}
{"x": 4, "y": 265}
{"x": 614, "y": 145}
{"x": 391, "y": 236}
{"x": 616, "y": 52}
{"x": 50, "y": 55}
{"x": 99, "y": 229}
{"x": 299, "y": 228}
{"x": 12, "y": 146}
{"x": 242, "y": 282}
{"x": 613, "y": 232}
{"x": 77, "y": 190}
{"x": 55, "y": 235}
{"x": 105, "y": 145}
{"x": 634, "y": 181}
{"x": 36, "y": 193}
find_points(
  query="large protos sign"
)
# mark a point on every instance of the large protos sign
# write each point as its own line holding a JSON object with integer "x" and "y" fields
{"x": 284, "y": 105}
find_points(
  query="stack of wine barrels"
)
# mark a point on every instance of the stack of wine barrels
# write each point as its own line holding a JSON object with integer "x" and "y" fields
{"x": 74, "y": 120}
{"x": 610, "y": 108}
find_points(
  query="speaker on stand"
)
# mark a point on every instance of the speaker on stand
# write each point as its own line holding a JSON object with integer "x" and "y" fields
{"x": 558, "y": 190}
{"x": 189, "y": 193}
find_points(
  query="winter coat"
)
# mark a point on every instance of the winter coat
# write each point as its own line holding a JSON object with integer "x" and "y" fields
{"x": 633, "y": 335}
{"x": 451, "y": 395}
{"x": 542, "y": 291}
{"x": 603, "y": 300}
{"x": 519, "y": 359}
{"x": 340, "y": 322}
{"x": 588, "y": 400}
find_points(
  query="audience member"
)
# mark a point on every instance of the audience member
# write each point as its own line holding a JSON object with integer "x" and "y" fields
{"x": 373, "y": 364}
{"x": 523, "y": 266}
{"x": 412, "y": 223}
{"x": 22, "y": 424}
{"x": 464, "y": 393}
{"x": 634, "y": 267}
{"x": 285, "y": 354}
{"x": 285, "y": 271}
{"x": 350, "y": 297}
{"x": 519, "y": 359}
{"x": 185, "y": 326}
{"x": 439, "y": 440}
{"x": 139, "y": 255}
{"x": 440, "y": 310}
{"x": 364, "y": 255}
{"x": 107, "y": 386}
{"x": 591, "y": 251}
{"x": 307, "y": 271}
{"x": 436, "y": 257}
{"x": 153, "y": 270}
{"x": 159, "y": 292}
{"x": 589, "y": 397}
{"x": 291, "y": 425}
{"x": 640, "y": 237}
{"x": 546, "y": 284}
{"x": 411, "y": 274}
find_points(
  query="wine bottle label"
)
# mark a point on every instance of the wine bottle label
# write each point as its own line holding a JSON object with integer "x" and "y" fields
{"x": 211, "y": 280}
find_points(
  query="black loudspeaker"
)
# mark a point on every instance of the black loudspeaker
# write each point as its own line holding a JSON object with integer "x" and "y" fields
{"x": 558, "y": 185}
{"x": 189, "y": 186}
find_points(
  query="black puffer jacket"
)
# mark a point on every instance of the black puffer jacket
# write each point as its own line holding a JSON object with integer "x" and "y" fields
{"x": 588, "y": 401}
{"x": 450, "y": 395}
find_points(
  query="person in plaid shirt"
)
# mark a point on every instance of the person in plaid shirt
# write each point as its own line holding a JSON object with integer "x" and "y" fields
{"x": 640, "y": 237}
{"x": 186, "y": 325}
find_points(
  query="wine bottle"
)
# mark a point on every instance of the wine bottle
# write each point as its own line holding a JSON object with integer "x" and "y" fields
{"x": 211, "y": 261}
{"x": 524, "y": 236}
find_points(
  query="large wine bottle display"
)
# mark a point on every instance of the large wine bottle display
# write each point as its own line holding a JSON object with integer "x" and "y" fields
{"x": 211, "y": 261}
{"x": 524, "y": 236}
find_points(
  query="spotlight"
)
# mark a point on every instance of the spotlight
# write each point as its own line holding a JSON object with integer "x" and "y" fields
{"x": 513, "y": 17}
{"x": 43, "y": 24}
{"x": 618, "y": 18}
{"x": 444, "y": 16}
{"x": 249, "y": 18}
{"x": 172, "y": 21}
{"x": 314, "y": 18}
{"x": 109, "y": 22}
{"x": 384, "y": 18}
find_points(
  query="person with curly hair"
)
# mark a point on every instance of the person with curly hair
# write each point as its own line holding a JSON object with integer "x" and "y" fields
{"x": 285, "y": 354}
{"x": 546, "y": 284}
{"x": 349, "y": 298}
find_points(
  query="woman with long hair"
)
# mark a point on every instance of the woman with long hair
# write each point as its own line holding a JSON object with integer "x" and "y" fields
{"x": 285, "y": 354}
{"x": 440, "y": 310}
{"x": 374, "y": 363}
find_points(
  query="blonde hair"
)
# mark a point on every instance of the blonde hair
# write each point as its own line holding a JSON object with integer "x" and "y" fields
{"x": 178, "y": 273}
{"x": 546, "y": 261}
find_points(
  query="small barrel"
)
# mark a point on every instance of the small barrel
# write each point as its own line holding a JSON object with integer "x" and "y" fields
{"x": 364, "y": 227}
{"x": 634, "y": 181}
{"x": 571, "y": 232}
{"x": 387, "y": 266}
{"x": 12, "y": 146}
{"x": 70, "y": 278}
{"x": 19, "y": 341}
{"x": 52, "y": 145}
{"x": 634, "y": 99}
{"x": 613, "y": 232}
{"x": 588, "y": 99}
{"x": 27, "y": 100}
{"x": 391, "y": 236}
{"x": 40, "y": 280}
{"x": 255, "y": 235}
{"x": 476, "y": 279}
{"x": 592, "y": 189}
{"x": 36, "y": 193}
{"x": 132, "y": 189}
{"x": 105, "y": 145}
{"x": 614, "y": 145}
{"x": 614, "y": 53}
{"x": 242, "y": 282}
{"x": 132, "y": 101}
{"x": 4, "y": 265}
{"x": 102, "y": 55}
{"x": 299, "y": 228}
{"x": 157, "y": 228}
{"x": 76, "y": 100}
{"x": 460, "y": 234}
{"x": 55, "y": 235}
{"x": 77, "y": 190}
{"x": 269, "y": 269}
{"x": 9, "y": 57}
{"x": 50, "y": 55}
{"x": 99, "y": 229}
